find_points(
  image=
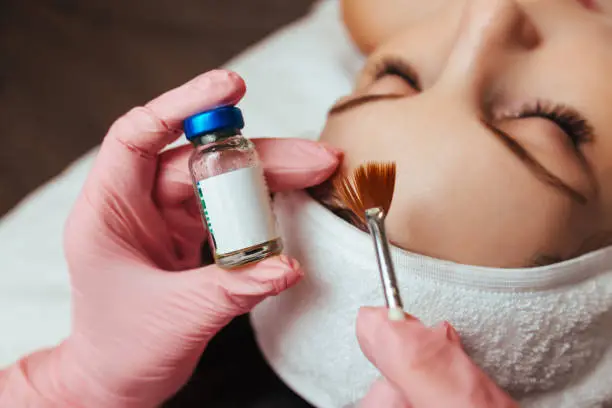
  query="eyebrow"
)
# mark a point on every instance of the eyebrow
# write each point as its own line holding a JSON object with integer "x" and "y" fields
{"x": 360, "y": 100}
{"x": 519, "y": 151}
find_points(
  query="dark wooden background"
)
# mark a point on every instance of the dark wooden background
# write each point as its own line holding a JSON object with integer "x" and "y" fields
{"x": 69, "y": 67}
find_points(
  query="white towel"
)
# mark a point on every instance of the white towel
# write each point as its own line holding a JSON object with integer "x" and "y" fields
{"x": 544, "y": 334}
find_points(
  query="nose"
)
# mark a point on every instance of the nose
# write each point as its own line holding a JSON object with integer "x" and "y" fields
{"x": 490, "y": 32}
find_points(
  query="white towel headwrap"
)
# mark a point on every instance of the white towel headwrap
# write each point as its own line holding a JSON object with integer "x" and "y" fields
{"x": 543, "y": 334}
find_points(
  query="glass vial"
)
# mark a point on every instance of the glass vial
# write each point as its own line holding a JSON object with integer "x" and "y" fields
{"x": 228, "y": 178}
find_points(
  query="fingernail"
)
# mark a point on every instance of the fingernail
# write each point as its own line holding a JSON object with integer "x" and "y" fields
{"x": 233, "y": 75}
{"x": 316, "y": 149}
{"x": 452, "y": 334}
{"x": 332, "y": 149}
{"x": 411, "y": 317}
{"x": 396, "y": 314}
{"x": 292, "y": 263}
{"x": 215, "y": 74}
{"x": 214, "y": 78}
{"x": 448, "y": 331}
{"x": 203, "y": 80}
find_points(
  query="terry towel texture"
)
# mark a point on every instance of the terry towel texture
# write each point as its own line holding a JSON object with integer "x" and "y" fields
{"x": 544, "y": 334}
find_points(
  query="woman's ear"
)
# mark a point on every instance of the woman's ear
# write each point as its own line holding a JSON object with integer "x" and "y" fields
{"x": 369, "y": 22}
{"x": 352, "y": 12}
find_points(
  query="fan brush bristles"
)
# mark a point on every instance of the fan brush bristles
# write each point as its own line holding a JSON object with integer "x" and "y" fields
{"x": 371, "y": 185}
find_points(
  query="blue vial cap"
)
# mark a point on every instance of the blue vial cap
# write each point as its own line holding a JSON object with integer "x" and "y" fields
{"x": 226, "y": 117}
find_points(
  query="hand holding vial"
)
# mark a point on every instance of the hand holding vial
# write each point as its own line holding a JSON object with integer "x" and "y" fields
{"x": 143, "y": 307}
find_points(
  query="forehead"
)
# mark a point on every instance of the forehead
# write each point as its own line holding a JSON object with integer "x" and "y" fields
{"x": 572, "y": 65}
{"x": 574, "y": 69}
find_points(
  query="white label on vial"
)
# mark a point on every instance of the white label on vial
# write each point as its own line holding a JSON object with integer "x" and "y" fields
{"x": 237, "y": 210}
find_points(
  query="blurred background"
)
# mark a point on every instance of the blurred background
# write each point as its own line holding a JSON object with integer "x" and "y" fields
{"x": 68, "y": 68}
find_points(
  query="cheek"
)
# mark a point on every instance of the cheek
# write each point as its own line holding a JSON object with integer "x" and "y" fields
{"x": 361, "y": 140}
{"x": 459, "y": 195}
{"x": 553, "y": 149}
{"x": 474, "y": 206}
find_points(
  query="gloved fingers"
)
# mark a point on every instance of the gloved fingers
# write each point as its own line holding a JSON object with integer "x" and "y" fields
{"x": 427, "y": 365}
{"x": 148, "y": 129}
{"x": 409, "y": 338}
{"x": 128, "y": 157}
{"x": 383, "y": 394}
{"x": 288, "y": 164}
{"x": 292, "y": 164}
{"x": 173, "y": 187}
{"x": 208, "y": 298}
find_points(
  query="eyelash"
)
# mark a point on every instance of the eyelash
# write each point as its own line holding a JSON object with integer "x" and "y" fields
{"x": 570, "y": 121}
{"x": 399, "y": 68}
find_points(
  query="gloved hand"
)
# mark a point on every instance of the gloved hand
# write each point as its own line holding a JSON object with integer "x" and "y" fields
{"x": 143, "y": 309}
{"x": 422, "y": 367}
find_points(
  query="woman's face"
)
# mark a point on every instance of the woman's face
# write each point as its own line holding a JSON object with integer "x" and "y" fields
{"x": 498, "y": 114}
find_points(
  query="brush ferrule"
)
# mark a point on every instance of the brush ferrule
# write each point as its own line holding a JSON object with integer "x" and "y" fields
{"x": 375, "y": 218}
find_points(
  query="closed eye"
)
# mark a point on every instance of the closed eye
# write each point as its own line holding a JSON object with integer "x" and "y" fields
{"x": 394, "y": 66}
{"x": 569, "y": 120}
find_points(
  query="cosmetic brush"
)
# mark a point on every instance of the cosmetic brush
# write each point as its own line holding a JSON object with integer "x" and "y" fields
{"x": 368, "y": 192}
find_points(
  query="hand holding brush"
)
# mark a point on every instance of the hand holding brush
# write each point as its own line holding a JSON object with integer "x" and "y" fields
{"x": 423, "y": 367}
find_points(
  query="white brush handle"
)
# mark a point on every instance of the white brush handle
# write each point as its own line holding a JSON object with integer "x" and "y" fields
{"x": 396, "y": 314}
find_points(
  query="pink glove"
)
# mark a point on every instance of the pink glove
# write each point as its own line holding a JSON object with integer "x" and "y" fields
{"x": 423, "y": 367}
{"x": 139, "y": 326}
